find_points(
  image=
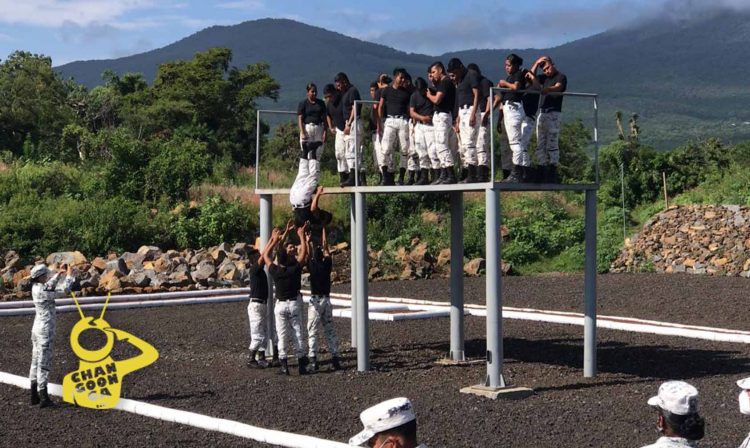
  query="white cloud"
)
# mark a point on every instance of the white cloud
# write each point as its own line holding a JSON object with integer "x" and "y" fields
{"x": 55, "y": 13}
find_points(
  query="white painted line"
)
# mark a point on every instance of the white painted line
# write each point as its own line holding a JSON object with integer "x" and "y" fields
{"x": 279, "y": 438}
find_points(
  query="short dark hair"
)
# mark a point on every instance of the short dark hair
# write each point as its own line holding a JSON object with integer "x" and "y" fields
{"x": 329, "y": 89}
{"x": 311, "y": 86}
{"x": 474, "y": 67}
{"x": 691, "y": 426}
{"x": 514, "y": 59}
{"x": 420, "y": 84}
{"x": 374, "y": 85}
{"x": 436, "y": 64}
{"x": 341, "y": 77}
{"x": 399, "y": 71}
{"x": 408, "y": 431}
{"x": 455, "y": 64}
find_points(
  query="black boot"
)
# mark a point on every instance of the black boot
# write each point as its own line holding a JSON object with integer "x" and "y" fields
{"x": 351, "y": 179}
{"x": 526, "y": 174}
{"x": 313, "y": 364}
{"x": 463, "y": 175}
{"x": 553, "y": 177}
{"x": 362, "y": 179}
{"x": 384, "y": 179}
{"x": 435, "y": 176}
{"x": 284, "y": 366}
{"x": 380, "y": 177}
{"x": 401, "y": 173}
{"x": 515, "y": 175}
{"x": 302, "y": 365}
{"x": 342, "y": 177}
{"x": 34, "y": 394}
{"x": 450, "y": 176}
{"x": 44, "y": 401}
{"x": 305, "y": 150}
{"x": 424, "y": 175}
{"x": 484, "y": 173}
{"x": 312, "y": 150}
{"x": 443, "y": 172}
{"x": 275, "y": 357}
{"x": 388, "y": 178}
{"x": 262, "y": 363}
{"x": 471, "y": 176}
{"x": 411, "y": 180}
{"x": 506, "y": 173}
{"x": 252, "y": 362}
{"x": 336, "y": 363}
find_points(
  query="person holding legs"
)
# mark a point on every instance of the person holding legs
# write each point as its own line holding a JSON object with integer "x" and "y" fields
{"x": 320, "y": 311}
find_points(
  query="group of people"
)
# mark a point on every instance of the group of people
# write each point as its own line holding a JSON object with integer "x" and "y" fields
{"x": 438, "y": 122}
{"x": 680, "y": 425}
{"x": 291, "y": 322}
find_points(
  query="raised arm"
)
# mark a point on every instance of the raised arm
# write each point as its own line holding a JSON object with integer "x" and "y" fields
{"x": 316, "y": 198}
{"x": 289, "y": 227}
{"x": 324, "y": 243}
{"x": 302, "y": 234}
{"x": 269, "y": 247}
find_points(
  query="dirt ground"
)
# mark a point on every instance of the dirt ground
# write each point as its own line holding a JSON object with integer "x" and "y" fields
{"x": 203, "y": 350}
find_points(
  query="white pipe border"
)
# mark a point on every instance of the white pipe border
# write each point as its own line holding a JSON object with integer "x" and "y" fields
{"x": 274, "y": 437}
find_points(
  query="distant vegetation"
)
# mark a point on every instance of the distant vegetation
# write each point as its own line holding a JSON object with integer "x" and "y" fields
{"x": 128, "y": 163}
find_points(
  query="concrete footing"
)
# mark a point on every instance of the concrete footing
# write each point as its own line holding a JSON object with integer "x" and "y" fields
{"x": 453, "y": 362}
{"x": 508, "y": 393}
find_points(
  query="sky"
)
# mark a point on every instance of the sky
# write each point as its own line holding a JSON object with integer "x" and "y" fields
{"x": 70, "y": 30}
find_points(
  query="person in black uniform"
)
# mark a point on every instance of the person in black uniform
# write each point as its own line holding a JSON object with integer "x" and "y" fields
{"x": 483, "y": 139}
{"x": 530, "y": 107}
{"x": 336, "y": 124}
{"x": 311, "y": 116}
{"x": 395, "y": 99}
{"x": 320, "y": 311}
{"x": 421, "y": 111}
{"x": 514, "y": 116}
{"x": 256, "y": 312}
{"x": 469, "y": 115}
{"x": 287, "y": 281}
{"x": 443, "y": 98}
{"x": 350, "y": 94}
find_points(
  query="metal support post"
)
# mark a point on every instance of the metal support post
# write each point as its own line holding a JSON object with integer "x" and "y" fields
{"x": 353, "y": 268}
{"x": 494, "y": 291}
{"x": 266, "y": 224}
{"x": 457, "y": 276}
{"x": 589, "y": 289}
{"x": 363, "y": 324}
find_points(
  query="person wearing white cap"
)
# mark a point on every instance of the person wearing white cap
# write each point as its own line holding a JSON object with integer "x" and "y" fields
{"x": 744, "y": 400}
{"x": 391, "y": 423}
{"x": 46, "y": 287}
{"x": 677, "y": 415}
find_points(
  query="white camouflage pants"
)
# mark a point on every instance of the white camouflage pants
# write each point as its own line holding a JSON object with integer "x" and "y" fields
{"x": 303, "y": 188}
{"x": 256, "y": 314}
{"x": 377, "y": 151}
{"x": 424, "y": 145}
{"x": 483, "y": 143}
{"x": 42, "y": 341}
{"x": 514, "y": 117}
{"x": 319, "y": 312}
{"x": 354, "y": 150}
{"x": 396, "y": 130}
{"x": 469, "y": 135}
{"x": 548, "y": 138}
{"x": 442, "y": 127}
{"x": 340, "y": 150}
{"x": 527, "y": 130}
{"x": 506, "y": 155}
{"x": 288, "y": 325}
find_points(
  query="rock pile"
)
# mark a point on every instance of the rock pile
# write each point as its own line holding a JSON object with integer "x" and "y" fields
{"x": 705, "y": 239}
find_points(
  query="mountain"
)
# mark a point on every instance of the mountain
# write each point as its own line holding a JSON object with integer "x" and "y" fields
{"x": 684, "y": 78}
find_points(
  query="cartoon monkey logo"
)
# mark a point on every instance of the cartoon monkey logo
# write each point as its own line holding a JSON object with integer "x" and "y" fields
{"x": 97, "y": 383}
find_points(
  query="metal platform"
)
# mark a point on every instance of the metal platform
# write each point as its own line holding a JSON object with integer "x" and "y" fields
{"x": 475, "y": 187}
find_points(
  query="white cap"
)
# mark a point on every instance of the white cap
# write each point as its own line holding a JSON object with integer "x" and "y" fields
{"x": 38, "y": 271}
{"x": 676, "y": 397}
{"x": 382, "y": 417}
{"x": 744, "y": 383}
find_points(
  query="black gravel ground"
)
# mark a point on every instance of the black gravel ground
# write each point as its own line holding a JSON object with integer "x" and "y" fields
{"x": 203, "y": 353}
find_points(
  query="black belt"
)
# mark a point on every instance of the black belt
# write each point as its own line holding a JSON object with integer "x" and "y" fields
{"x": 291, "y": 299}
{"x": 397, "y": 116}
{"x": 549, "y": 109}
{"x": 509, "y": 101}
{"x": 257, "y": 300}
{"x": 465, "y": 106}
{"x": 316, "y": 124}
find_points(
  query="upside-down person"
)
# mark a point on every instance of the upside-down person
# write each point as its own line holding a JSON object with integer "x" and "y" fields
{"x": 304, "y": 195}
{"x": 287, "y": 274}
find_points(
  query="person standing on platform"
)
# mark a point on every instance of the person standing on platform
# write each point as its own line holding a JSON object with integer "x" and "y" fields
{"x": 256, "y": 311}
{"x": 311, "y": 116}
{"x": 46, "y": 286}
{"x": 514, "y": 116}
{"x": 373, "y": 128}
{"x": 395, "y": 100}
{"x": 551, "y": 82}
{"x": 469, "y": 115}
{"x": 287, "y": 275}
{"x": 350, "y": 94}
{"x": 320, "y": 311}
{"x": 444, "y": 99}
{"x": 421, "y": 111}
{"x": 335, "y": 120}
{"x": 483, "y": 138}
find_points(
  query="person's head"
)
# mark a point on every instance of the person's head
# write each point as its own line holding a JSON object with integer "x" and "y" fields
{"x": 374, "y": 86}
{"x": 512, "y": 63}
{"x": 437, "y": 71}
{"x": 399, "y": 74}
{"x": 329, "y": 91}
{"x": 744, "y": 398}
{"x": 341, "y": 81}
{"x": 312, "y": 91}
{"x": 475, "y": 67}
{"x": 384, "y": 80}
{"x": 456, "y": 68}
{"x": 391, "y": 423}
{"x": 421, "y": 85}
{"x": 548, "y": 68}
{"x": 40, "y": 274}
{"x": 677, "y": 411}
{"x": 407, "y": 82}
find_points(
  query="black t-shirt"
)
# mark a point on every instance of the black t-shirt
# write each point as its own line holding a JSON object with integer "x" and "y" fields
{"x": 464, "y": 89}
{"x": 512, "y": 79}
{"x": 421, "y": 105}
{"x": 376, "y": 98}
{"x": 553, "y": 102}
{"x": 484, "y": 92}
{"x": 530, "y": 103}
{"x": 258, "y": 283}
{"x": 396, "y": 101}
{"x": 287, "y": 280}
{"x": 335, "y": 110}
{"x": 320, "y": 276}
{"x": 348, "y": 99}
{"x": 446, "y": 86}
{"x": 312, "y": 112}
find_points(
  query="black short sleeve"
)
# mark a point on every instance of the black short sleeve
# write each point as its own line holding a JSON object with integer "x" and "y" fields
{"x": 553, "y": 102}
{"x": 449, "y": 96}
{"x": 512, "y": 79}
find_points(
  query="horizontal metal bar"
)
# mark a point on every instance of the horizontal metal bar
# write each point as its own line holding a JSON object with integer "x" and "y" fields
{"x": 443, "y": 188}
{"x": 504, "y": 89}
{"x": 365, "y": 102}
{"x": 270, "y": 111}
